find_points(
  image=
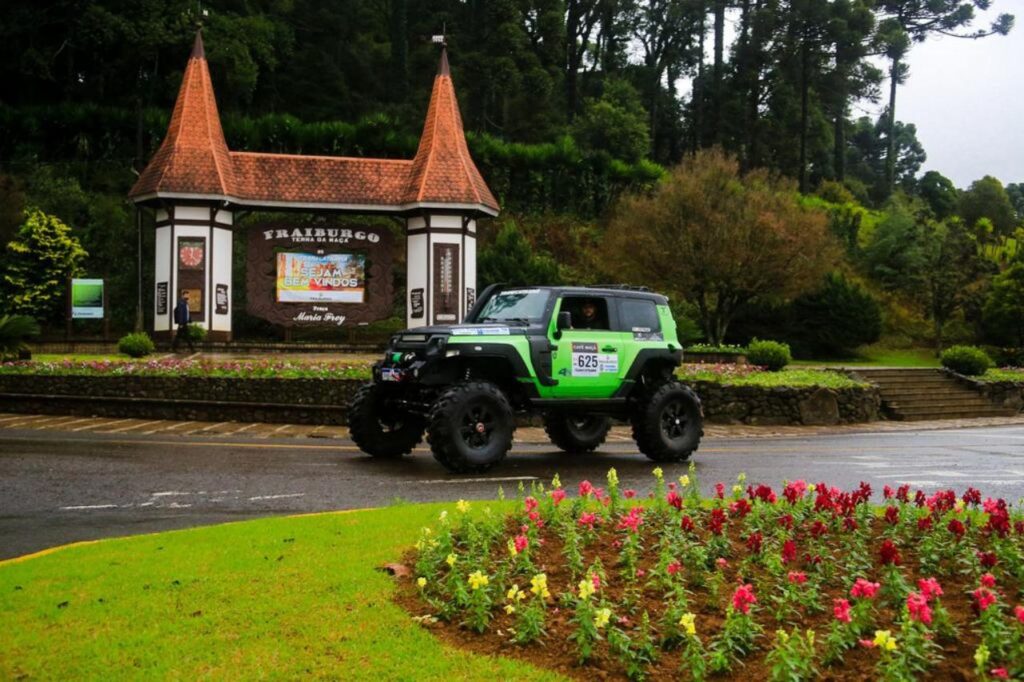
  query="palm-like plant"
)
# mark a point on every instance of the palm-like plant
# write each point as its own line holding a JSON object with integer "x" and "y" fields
{"x": 14, "y": 329}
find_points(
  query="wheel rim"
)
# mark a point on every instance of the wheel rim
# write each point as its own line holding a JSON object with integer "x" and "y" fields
{"x": 582, "y": 427}
{"x": 674, "y": 420}
{"x": 477, "y": 426}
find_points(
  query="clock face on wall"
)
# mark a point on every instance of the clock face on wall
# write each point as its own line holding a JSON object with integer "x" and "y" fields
{"x": 190, "y": 254}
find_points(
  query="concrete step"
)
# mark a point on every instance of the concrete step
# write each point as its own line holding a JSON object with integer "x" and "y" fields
{"x": 953, "y": 413}
{"x": 938, "y": 393}
{"x": 932, "y": 401}
{"x": 910, "y": 381}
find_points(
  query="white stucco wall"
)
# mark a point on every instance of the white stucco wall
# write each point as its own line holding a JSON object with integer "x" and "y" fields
{"x": 162, "y": 272}
{"x": 221, "y": 274}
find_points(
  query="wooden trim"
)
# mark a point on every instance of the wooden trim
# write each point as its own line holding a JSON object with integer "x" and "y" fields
{"x": 193, "y": 221}
{"x": 439, "y": 230}
{"x": 428, "y": 310}
{"x": 172, "y": 276}
{"x": 209, "y": 271}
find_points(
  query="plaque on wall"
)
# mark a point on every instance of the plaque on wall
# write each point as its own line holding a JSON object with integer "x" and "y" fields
{"x": 416, "y": 304}
{"x": 446, "y": 283}
{"x": 320, "y": 274}
{"x": 161, "y": 298}
{"x": 195, "y": 302}
{"x": 220, "y": 295}
{"x": 191, "y": 253}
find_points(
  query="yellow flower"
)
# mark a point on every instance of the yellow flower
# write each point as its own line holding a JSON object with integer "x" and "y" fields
{"x": 613, "y": 477}
{"x": 958, "y": 506}
{"x": 684, "y": 481}
{"x": 462, "y": 506}
{"x": 477, "y": 580}
{"x": 810, "y": 637}
{"x": 421, "y": 582}
{"x": 514, "y": 593}
{"x": 556, "y": 482}
{"x": 586, "y": 589}
{"x": 443, "y": 516}
{"x": 811, "y": 487}
{"x": 539, "y": 586}
{"x": 512, "y": 551}
{"x": 737, "y": 490}
{"x": 658, "y": 473}
{"x": 509, "y": 609}
{"x": 742, "y": 478}
{"x": 688, "y": 623}
{"x": 601, "y": 617}
{"x": 981, "y": 656}
{"x": 885, "y": 640}
{"x": 450, "y": 560}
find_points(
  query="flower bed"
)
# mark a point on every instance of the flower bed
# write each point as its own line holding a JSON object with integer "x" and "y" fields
{"x": 755, "y": 584}
{"x": 175, "y": 367}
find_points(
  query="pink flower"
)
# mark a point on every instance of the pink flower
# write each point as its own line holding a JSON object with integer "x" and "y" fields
{"x": 788, "y": 551}
{"x": 983, "y": 599}
{"x": 794, "y": 491}
{"x": 988, "y": 580}
{"x": 586, "y": 488}
{"x": 864, "y": 589}
{"x": 589, "y": 519}
{"x": 629, "y": 493}
{"x": 841, "y": 610}
{"x": 722, "y": 563}
{"x": 640, "y": 573}
{"x": 596, "y": 580}
{"x": 1018, "y": 611}
{"x": 743, "y": 597}
{"x": 720, "y": 491}
{"x": 674, "y": 499}
{"x": 1001, "y": 673}
{"x": 557, "y": 495}
{"x": 674, "y": 567}
{"x": 632, "y": 520}
{"x": 867, "y": 643}
{"x": 521, "y": 543}
{"x": 930, "y": 588}
{"x": 917, "y": 606}
{"x": 797, "y": 577}
{"x": 740, "y": 507}
{"x": 531, "y": 503}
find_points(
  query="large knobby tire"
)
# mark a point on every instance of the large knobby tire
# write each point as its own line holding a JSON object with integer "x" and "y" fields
{"x": 575, "y": 432}
{"x": 470, "y": 427}
{"x": 377, "y": 428}
{"x": 668, "y": 426}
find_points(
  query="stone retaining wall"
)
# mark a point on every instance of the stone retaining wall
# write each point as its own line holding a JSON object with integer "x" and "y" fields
{"x": 323, "y": 401}
{"x": 1004, "y": 393}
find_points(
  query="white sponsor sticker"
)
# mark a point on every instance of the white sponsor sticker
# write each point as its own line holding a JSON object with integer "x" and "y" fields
{"x": 588, "y": 362}
{"x": 480, "y": 331}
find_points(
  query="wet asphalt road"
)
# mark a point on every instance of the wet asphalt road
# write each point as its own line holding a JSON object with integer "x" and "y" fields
{"x": 59, "y": 487}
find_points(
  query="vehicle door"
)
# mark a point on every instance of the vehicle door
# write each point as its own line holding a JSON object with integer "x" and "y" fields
{"x": 585, "y": 357}
{"x": 639, "y": 326}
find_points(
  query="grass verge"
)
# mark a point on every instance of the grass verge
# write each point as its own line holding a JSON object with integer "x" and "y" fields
{"x": 1016, "y": 375}
{"x": 275, "y": 598}
{"x": 739, "y": 375}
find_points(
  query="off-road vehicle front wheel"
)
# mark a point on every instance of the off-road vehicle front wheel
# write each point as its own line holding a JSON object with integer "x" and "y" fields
{"x": 470, "y": 427}
{"x": 668, "y": 425}
{"x": 377, "y": 428}
{"x": 576, "y": 432}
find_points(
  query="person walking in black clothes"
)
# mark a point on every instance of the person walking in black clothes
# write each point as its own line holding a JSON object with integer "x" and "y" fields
{"x": 182, "y": 318}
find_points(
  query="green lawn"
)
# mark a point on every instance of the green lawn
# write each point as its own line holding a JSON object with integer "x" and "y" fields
{"x": 278, "y": 598}
{"x": 81, "y": 357}
{"x": 740, "y": 376}
{"x": 1003, "y": 375}
{"x": 871, "y": 356}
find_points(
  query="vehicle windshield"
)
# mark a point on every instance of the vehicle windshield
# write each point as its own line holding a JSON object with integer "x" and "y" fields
{"x": 525, "y": 306}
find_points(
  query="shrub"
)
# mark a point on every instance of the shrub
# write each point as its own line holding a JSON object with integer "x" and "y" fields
{"x": 136, "y": 345}
{"x": 771, "y": 355}
{"x": 967, "y": 360}
{"x": 196, "y": 333}
{"x": 1006, "y": 357}
{"x": 14, "y": 329}
{"x": 837, "y": 318}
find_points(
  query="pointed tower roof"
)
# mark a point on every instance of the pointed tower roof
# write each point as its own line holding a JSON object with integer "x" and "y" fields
{"x": 443, "y": 171}
{"x": 193, "y": 158}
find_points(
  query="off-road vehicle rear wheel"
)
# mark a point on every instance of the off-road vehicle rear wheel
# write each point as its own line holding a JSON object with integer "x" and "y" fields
{"x": 576, "y": 432}
{"x": 470, "y": 427}
{"x": 379, "y": 430}
{"x": 668, "y": 426}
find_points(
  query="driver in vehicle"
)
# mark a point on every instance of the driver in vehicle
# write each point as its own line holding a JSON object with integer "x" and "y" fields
{"x": 587, "y": 317}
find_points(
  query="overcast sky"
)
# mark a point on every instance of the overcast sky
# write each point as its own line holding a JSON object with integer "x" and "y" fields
{"x": 966, "y": 98}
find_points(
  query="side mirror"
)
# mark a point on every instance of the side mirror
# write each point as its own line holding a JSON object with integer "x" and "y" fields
{"x": 564, "y": 322}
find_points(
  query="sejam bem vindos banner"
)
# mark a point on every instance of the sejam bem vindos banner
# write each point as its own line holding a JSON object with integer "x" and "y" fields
{"x": 308, "y": 277}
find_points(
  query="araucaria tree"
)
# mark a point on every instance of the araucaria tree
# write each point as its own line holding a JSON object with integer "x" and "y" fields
{"x": 719, "y": 238}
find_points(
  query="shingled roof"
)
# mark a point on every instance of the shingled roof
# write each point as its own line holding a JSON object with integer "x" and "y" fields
{"x": 194, "y": 162}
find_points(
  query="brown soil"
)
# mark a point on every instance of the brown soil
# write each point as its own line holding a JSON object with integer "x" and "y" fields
{"x": 556, "y": 652}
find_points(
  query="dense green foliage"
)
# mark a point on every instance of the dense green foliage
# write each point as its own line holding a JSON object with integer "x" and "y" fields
{"x": 15, "y": 330}
{"x": 967, "y": 360}
{"x": 136, "y": 345}
{"x": 771, "y": 355}
{"x": 510, "y": 259}
{"x": 837, "y": 318}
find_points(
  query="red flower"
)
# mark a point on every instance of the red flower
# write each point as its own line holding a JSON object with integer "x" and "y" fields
{"x": 841, "y": 610}
{"x": 686, "y": 523}
{"x": 892, "y": 515}
{"x": 890, "y": 554}
{"x": 632, "y": 520}
{"x": 754, "y": 541}
{"x": 819, "y": 528}
{"x": 797, "y": 577}
{"x": 521, "y": 543}
{"x": 887, "y": 492}
{"x": 743, "y": 597}
{"x": 930, "y": 588}
{"x": 988, "y": 580}
{"x": 903, "y": 493}
{"x": 956, "y": 527}
{"x": 867, "y": 643}
{"x": 924, "y": 524}
{"x": 864, "y": 589}
{"x": 586, "y": 487}
{"x": 1018, "y": 612}
{"x": 673, "y": 567}
{"x": 1001, "y": 673}
{"x": 740, "y": 507}
{"x": 589, "y": 519}
{"x": 983, "y": 599}
{"x": 557, "y": 495}
{"x": 717, "y": 521}
{"x": 850, "y": 524}
{"x": 917, "y": 607}
{"x": 987, "y": 559}
{"x": 531, "y": 503}
{"x": 972, "y": 496}
{"x": 788, "y": 551}
{"x": 794, "y": 491}
{"x": 674, "y": 500}
{"x": 763, "y": 493}
{"x": 629, "y": 493}
{"x": 786, "y": 521}
{"x": 720, "y": 491}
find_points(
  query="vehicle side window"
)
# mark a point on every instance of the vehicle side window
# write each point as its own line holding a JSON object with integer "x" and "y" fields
{"x": 638, "y": 315}
{"x": 587, "y": 312}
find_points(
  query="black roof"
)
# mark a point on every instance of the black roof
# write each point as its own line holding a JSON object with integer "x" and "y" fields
{"x": 615, "y": 290}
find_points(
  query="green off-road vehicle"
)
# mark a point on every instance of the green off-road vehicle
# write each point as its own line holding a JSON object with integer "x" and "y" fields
{"x": 577, "y": 356}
